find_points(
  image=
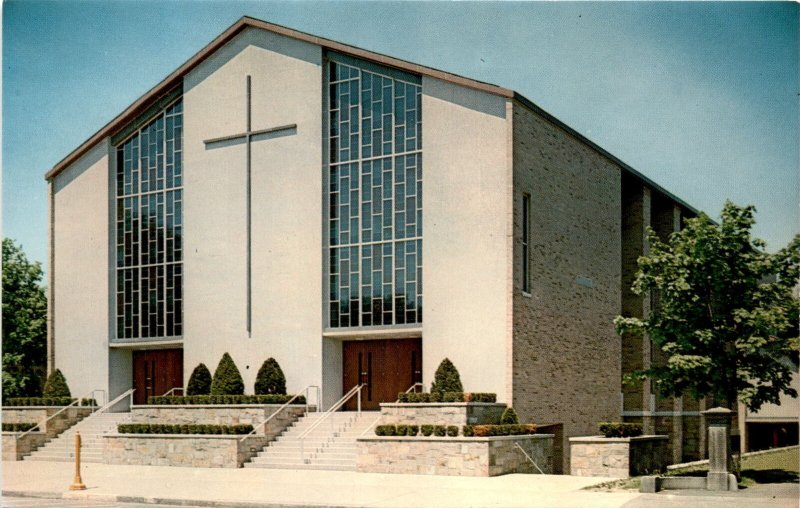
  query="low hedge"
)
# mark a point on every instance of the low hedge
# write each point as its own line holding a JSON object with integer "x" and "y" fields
{"x": 446, "y": 397}
{"x": 620, "y": 429}
{"x": 46, "y": 401}
{"x": 198, "y": 400}
{"x": 18, "y": 427}
{"x": 156, "y": 428}
{"x": 413, "y": 430}
{"x": 510, "y": 429}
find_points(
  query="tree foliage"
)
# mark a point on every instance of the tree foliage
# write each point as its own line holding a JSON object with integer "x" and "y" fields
{"x": 270, "y": 378}
{"x": 726, "y": 318}
{"x": 56, "y": 385}
{"x": 24, "y": 324}
{"x": 446, "y": 378}
{"x": 199, "y": 381}
{"x": 509, "y": 417}
{"x": 227, "y": 380}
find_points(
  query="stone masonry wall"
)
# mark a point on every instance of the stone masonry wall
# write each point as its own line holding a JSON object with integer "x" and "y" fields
{"x": 219, "y": 415}
{"x": 473, "y": 413}
{"x": 566, "y": 354}
{"x": 54, "y": 427}
{"x": 16, "y": 449}
{"x": 618, "y": 457}
{"x": 180, "y": 450}
{"x": 465, "y": 456}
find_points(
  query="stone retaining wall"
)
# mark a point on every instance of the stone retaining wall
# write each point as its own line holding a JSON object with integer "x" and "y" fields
{"x": 181, "y": 450}
{"x": 220, "y": 414}
{"x": 445, "y": 413}
{"x": 618, "y": 457}
{"x": 36, "y": 414}
{"x": 455, "y": 456}
{"x": 16, "y": 449}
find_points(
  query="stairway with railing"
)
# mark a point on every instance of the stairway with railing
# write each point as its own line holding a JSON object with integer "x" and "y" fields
{"x": 319, "y": 440}
{"x": 92, "y": 428}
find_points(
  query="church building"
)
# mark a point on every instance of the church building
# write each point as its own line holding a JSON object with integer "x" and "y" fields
{"x": 359, "y": 218}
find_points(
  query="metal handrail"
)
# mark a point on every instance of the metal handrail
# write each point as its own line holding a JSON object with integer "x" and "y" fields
{"x": 371, "y": 426}
{"x": 341, "y": 402}
{"x": 304, "y": 390}
{"x": 114, "y": 402}
{"x": 76, "y": 401}
{"x": 172, "y": 390}
{"x": 528, "y": 457}
{"x": 412, "y": 387}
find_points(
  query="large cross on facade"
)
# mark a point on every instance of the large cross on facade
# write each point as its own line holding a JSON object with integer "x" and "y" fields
{"x": 247, "y": 137}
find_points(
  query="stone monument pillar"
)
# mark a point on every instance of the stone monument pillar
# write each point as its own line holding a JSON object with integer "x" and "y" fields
{"x": 720, "y": 459}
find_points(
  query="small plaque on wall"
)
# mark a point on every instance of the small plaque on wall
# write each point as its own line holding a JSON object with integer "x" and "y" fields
{"x": 584, "y": 281}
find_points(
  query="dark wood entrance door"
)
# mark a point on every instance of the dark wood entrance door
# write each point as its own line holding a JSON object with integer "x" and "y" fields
{"x": 155, "y": 372}
{"x": 386, "y": 367}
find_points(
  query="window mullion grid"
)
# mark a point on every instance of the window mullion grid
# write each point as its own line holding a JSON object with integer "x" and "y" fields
{"x": 392, "y": 161}
{"x": 360, "y": 232}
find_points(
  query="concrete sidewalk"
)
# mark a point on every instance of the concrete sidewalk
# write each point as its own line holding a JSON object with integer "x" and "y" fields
{"x": 273, "y": 487}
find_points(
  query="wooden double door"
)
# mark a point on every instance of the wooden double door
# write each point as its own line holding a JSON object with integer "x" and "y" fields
{"x": 386, "y": 367}
{"x": 155, "y": 372}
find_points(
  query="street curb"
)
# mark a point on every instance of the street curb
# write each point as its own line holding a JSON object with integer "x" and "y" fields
{"x": 110, "y": 498}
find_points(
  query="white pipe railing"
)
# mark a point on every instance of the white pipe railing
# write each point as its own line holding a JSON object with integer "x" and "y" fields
{"x": 109, "y": 405}
{"x": 528, "y": 457}
{"x": 273, "y": 415}
{"x": 412, "y": 387}
{"x": 341, "y": 402}
{"x": 172, "y": 390}
{"x": 371, "y": 426}
{"x": 40, "y": 425}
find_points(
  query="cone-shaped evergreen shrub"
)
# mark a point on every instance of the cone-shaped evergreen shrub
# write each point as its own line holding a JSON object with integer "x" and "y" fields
{"x": 509, "y": 417}
{"x": 56, "y": 385}
{"x": 270, "y": 379}
{"x": 446, "y": 378}
{"x": 199, "y": 381}
{"x": 227, "y": 379}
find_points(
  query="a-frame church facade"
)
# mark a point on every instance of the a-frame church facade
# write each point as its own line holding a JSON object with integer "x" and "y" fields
{"x": 357, "y": 217}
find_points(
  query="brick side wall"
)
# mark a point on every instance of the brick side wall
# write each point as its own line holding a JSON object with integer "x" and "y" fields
{"x": 566, "y": 359}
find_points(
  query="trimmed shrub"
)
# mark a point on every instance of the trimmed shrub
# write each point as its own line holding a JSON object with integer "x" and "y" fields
{"x": 439, "y": 430}
{"x": 227, "y": 380}
{"x": 156, "y": 428}
{"x": 56, "y": 385}
{"x": 204, "y": 400}
{"x": 509, "y": 417}
{"x": 46, "y": 401}
{"x": 402, "y": 430}
{"x": 199, "y": 381}
{"x": 501, "y": 430}
{"x": 426, "y": 430}
{"x": 270, "y": 378}
{"x": 413, "y": 430}
{"x": 452, "y": 431}
{"x": 620, "y": 429}
{"x": 467, "y": 431}
{"x": 416, "y": 398}
{"x": 18, "y": 427}
{"x": 446, "y": 378}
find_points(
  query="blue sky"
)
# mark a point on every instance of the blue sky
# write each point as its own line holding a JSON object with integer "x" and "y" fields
{"x": 700, "y": 97}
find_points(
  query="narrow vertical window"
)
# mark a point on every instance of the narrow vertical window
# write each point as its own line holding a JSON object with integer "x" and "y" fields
{"x": 526, "y": 242}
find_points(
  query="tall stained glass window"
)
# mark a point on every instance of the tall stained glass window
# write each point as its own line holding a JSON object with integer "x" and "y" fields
{"x": 374, "y": 195}
{"x": 149, "y": 229}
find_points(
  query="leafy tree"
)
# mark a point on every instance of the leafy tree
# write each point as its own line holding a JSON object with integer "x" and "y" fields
{"x": 24, "y": 324}
{"x": 199, "y": 381}
{"x": 446, "y": 378}
{"x": 227, "y": 379}
{"x": 56, "y": 385}
{"x": 726, "y": 316}
{"x": 270, "y": 378}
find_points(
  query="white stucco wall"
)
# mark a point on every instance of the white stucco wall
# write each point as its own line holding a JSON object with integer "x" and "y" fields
{"x": 466, "y": 253}
{"x": 286, "y": 210}
{"x": 81, "y": 271}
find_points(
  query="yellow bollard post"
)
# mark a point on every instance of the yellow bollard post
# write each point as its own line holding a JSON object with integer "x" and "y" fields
{"x": 77, "y": 483}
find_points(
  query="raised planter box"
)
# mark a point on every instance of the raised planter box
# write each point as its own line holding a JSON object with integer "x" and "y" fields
{"x": 16, "y": 449}
{"x": 441, "y": 413}
{"x": 186, "y": 450}
{"x": 619, "y": 457}
{"x": 220, "y": 414}
{"x": 455, "y": 456}
{"x": 36, "y": 414}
